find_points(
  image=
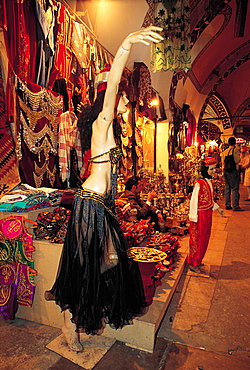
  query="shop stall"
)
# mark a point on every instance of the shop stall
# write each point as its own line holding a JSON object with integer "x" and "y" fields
{"x": 48, "y": 69}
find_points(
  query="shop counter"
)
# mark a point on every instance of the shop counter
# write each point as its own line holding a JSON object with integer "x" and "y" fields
{"x": 140, "y": 335}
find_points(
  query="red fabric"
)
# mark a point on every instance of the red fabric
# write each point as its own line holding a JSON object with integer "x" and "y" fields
{"x": 205, "y": 200}
{"x": 199, "y": 237}
{"x": 62, "y": 59}
{"x": 20, "y": 39}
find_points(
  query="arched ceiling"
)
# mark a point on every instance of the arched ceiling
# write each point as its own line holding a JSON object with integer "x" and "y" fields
{"x": 220, "y": 74}
{"x": 221, "y": 62}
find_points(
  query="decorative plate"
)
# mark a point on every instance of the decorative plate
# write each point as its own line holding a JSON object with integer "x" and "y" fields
{"x": 144, "y": 254}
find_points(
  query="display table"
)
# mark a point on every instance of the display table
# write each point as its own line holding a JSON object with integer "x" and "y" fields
{"x": 46, "y": 257}
{"x": 140, "y": 335}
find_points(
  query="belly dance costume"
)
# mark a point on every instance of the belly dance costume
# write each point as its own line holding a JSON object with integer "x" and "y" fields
{"x": 95, "y": 279}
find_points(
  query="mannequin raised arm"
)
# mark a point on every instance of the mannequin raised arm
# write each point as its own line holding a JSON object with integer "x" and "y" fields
{"x": 144, "y": 36}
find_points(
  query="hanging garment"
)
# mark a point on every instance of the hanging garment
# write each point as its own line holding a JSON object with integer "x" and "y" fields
{"x": 19, "y": 27}
{"x": 45, "y": 15}
{"x": 68, "y": 138}
{"x": 15, "y": 288}
{"x": 80, "y": 44}
{"x": 9, "y": 176}
{"x": 37, "y": 148}
{"x": 174, "y": 52}
{"x": 61, "y": 67}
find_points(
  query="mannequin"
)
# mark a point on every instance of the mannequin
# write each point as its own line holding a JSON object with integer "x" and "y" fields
{"x": 96, "y": 283}
{"x": 200, "y": 214}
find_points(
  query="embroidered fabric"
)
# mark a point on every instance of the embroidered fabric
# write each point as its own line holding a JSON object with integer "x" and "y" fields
{"x": 16, "y": 288}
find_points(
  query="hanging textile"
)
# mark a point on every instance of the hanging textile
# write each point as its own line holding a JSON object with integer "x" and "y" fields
{"x": 80, "y": 44}
{"x": 18, "y": 23}
{"x": 142, "y": 83}
{"x": 45, "y": 14}
{"x": 149, "y": 17}
{"x": 173, "y": 53}
{"x": 191, "y": 129}
{"x": 63, "y": 54}
{"x": 17, "y": 271}
{"x": 9, "y": 176}
{"x": 69, "y": 137}
{"x": 37, "y": 143}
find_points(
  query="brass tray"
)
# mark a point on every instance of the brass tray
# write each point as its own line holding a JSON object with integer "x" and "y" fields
{"x": 144, "y": 254}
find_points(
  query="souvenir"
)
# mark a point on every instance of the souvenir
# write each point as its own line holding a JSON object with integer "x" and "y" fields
{"x": 11, "y": 226}
{"x": 144, "y": 254}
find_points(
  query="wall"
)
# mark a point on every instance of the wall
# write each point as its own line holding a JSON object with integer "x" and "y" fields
{"x": 162, "y": 143}
{"x": 112, "y": 21}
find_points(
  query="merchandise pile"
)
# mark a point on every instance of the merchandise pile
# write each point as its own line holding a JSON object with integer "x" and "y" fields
{"x": 142, "y": 233}
{"x": 17, "y": 271}
{"x": 136, "y": 231}
{"x": 167, "y": 243}
{"x": 52, "y": 226}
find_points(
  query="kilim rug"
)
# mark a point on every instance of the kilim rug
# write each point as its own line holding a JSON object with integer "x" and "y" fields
{"x": 9, "y": 175}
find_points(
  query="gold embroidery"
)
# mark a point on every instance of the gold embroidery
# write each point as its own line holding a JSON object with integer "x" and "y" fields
{"x": 7, "y": 272}
{"x": 34, "y": 116}
{"x": 40, "y": 171}
{"x": 205, "y": 196}
{"x": 43, "y": 99}
{"x": 95, "y": 196}
{"x": 24, "y": 294}
{"x": 194, "y": 233}
{"x": 5, "y": 291}
{"x": 6, "y": 251}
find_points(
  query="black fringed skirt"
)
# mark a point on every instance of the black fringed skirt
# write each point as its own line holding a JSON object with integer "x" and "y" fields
{"x": 93, "y": 287}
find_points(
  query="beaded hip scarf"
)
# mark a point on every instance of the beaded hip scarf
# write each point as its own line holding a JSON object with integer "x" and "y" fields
{"x": 103, "y": 199}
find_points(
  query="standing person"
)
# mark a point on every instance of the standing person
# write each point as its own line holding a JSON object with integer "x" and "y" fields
{"x": 231, "y": 175}
{"x": 96, "y": 283}
{"x": 245, "y": 164}
{"x": 143, "y": 210}
{"x": 202, "y": 206}
{"x": 244, "y": 152}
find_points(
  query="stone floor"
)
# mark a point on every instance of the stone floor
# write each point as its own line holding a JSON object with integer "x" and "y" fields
{"x": 206, "y": 326}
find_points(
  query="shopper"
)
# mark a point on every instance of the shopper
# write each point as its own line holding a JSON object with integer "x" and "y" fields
{"x": 96, "y": 284}
{"x": 243, "y": 154}
{"x": 141, "y": 209}
{"x": 202, "y": 206}
{"x": 230, "y": 165}
{"x": 245, "y": 164}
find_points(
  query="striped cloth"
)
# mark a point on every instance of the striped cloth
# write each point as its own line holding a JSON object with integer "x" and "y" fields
{"x": 68, "y": 137}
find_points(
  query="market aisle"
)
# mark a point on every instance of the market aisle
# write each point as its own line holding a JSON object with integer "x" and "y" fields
{"x": 212, "y": 311}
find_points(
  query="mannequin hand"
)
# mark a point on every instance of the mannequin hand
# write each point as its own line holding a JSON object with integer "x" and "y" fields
{"x": 144, "y": 36}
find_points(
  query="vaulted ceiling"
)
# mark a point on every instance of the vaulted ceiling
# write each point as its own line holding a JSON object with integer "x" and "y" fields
{"x": 221, "y": 66}
{"x": 217, "y": 88}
